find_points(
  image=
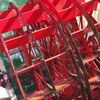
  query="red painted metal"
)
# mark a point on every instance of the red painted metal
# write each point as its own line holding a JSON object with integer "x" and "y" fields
{"x": 53, "y": 46}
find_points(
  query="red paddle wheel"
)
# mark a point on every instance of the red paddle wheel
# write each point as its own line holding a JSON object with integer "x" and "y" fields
{"x": 60, "y": 55}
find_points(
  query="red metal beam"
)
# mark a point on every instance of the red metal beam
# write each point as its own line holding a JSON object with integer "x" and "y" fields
{"x": 35, "y": 66}
{"x": 45, "y": 32}
{"x": 9, "y": 19}
{"x": 23, "y": 39}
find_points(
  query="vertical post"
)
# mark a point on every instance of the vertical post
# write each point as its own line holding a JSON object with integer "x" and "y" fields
{"x": 12, "y": 66}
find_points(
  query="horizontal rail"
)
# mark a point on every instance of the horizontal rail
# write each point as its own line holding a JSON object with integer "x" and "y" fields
{"x": 23, "y": 39}
{"x": 45, "y": 32}
{"x": 35, "y": 66}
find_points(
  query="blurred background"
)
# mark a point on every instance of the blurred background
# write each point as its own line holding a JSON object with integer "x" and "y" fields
{"x": 4, "y": 3}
